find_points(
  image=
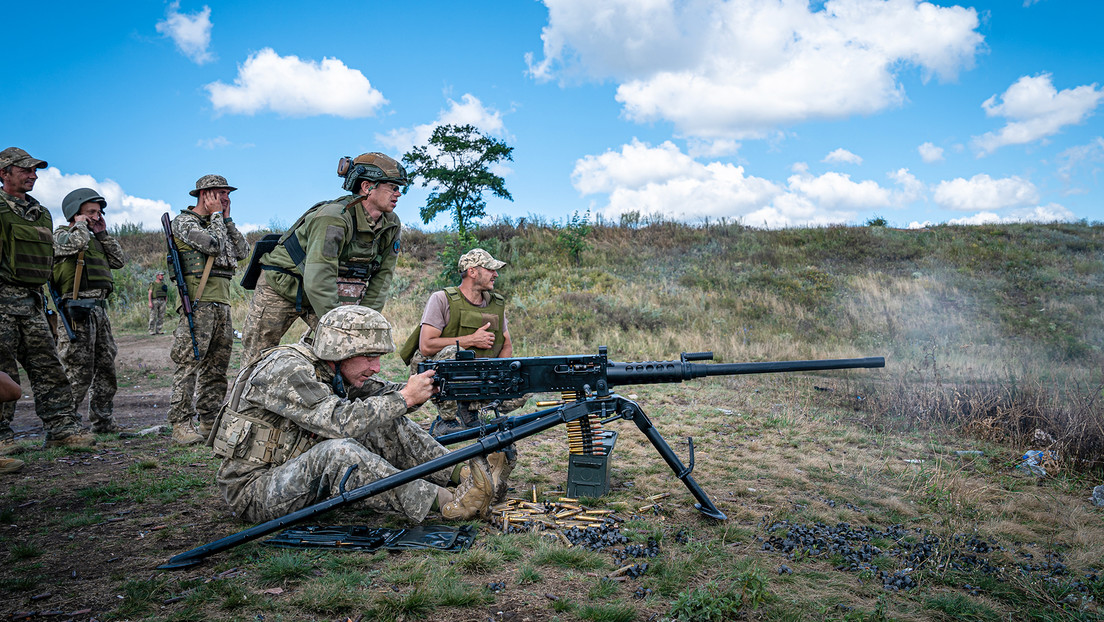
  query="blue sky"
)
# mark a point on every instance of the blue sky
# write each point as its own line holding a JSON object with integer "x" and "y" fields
{"x": 768, "y": 112}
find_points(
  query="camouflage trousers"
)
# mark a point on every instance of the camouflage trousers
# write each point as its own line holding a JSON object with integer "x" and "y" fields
{"x": 89, "y": 361}
{"x": 449, "y": 411}
{"x": 199, "y": 386}
{"x": 157, "y": 315}
{"x": 316, "y": 474}
{"x": 270, "y": 316}
{"x": 27, "y": 340}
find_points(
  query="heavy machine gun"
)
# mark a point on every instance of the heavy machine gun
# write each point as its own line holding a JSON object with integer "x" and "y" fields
{"x": 585, "y": 382}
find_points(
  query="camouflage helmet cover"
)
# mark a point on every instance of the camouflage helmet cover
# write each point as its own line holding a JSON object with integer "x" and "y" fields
{"x": 73, "y": 201}
{"x": 374, "y": 167}
{"x": 349, "y": 331}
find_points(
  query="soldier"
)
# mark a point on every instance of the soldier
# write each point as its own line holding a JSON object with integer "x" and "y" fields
{"x": 299, "y": 417}
{"x": 210, "y": 248}
{"x": 9, "y": 392}
{"x": 472, "y": 315}
{"x": 26, "y": 258}
{"x": 84, "y": 256}
{"x": 158, "y": 298}
{"x": 339, "y": 252}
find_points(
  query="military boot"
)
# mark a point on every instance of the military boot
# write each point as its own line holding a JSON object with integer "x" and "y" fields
{"x": 472, "y": 498}
{"x": 79, "y": 439}
{"x": 184, "y": 434}
{"x": 458, "y": 422}
{"x": 10, "y": 465}
{"x": 205, "y": 428}
{"x": 8, "y": 446}
{"x": 502, "y": 464}
{"x": 108, "y": 427}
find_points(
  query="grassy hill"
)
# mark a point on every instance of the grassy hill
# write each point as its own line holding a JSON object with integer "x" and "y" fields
{"x": 864, "y": 495}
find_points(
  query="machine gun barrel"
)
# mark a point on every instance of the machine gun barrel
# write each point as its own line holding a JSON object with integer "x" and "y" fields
{"x": 657, "y": 372}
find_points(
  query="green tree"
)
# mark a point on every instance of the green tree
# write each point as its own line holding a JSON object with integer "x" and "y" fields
{"x": 455, "y": 164}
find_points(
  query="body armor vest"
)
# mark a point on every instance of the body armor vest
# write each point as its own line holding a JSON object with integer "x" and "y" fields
{"x": 466, "y": 318}
{"x": 160, "y": 290}
{"x": 26, "y": 248}
{"x": 95, "y": 275}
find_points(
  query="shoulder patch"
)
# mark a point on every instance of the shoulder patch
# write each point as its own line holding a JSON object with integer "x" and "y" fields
{"x": 396, "y": 246}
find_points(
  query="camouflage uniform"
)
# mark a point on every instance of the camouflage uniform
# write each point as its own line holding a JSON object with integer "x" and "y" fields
{"x": 199, "y": 385}
{"x": 368, "y": 428}
{"x": 26, "y": 338}
{"x": 89, "y": 357}
{"x": 159, "y": 296}
{"x": 334, "y": 238}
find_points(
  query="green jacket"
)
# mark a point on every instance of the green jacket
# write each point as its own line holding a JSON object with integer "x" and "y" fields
{"x": 337, "y": 243}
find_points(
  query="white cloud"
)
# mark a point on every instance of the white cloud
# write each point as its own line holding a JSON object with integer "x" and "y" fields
{"x": 191, "y": 33}
{"x": 930, "y": 153}
{"x": 468, "y": 111}
{"x": 982, "y": 192}
{"x": 1043, "y": 213}
{"x": 909, "y": 187}
{"x": 835, "y": 191}
{"x": 664, "y": 181}
{"x": 213, "y": 143}
{"x": 1035, "y": 110}
{"x": 296, "y": 88}
{"x": 53, "y": 185}
{"x": 843, "y": 156}
{"x": 1081, "y": 156}
{"x": 739, "y": 68}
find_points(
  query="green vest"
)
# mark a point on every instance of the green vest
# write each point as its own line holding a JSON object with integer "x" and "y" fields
{"x": 192, "y": 263}
{"x": 466, "y": 318}
{"x": 160, "y": 290}
{"x": 95, "y": 275}
{"x": 26, "y": 248}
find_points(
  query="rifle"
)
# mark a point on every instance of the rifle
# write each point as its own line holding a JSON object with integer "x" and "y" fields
{"x": 587, "y": 377}
{"x": 59, "y": 304}
{"x": 176, "y": 273}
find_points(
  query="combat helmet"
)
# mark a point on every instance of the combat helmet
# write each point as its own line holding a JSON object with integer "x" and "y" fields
{"x": 349, "y": 331}
{"x": 72, "y": 202}
{"x": 374, "y": 167}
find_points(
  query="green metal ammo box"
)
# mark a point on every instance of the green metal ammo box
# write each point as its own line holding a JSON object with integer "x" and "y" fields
{"x": 588, "y": 475}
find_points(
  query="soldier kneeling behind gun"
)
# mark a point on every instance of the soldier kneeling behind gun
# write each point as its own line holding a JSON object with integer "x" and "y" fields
{"x": 302, "y": 414}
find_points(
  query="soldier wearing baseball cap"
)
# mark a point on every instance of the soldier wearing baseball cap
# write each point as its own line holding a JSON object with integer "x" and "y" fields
{"x": 210, "y": 247}
{"x": 323, "y": 411}
{"x": 26, "y": 259}
{"x": 473, "y": 316}
{"x": 340, "y": 252}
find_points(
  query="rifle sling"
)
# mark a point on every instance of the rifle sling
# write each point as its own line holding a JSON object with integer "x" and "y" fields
{"x": 77, "y": 275}
{"x": 203, "y": 280}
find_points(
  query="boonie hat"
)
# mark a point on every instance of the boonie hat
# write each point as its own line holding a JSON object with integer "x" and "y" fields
{"x": 207, "y": 182}
{"x": 18, "y": 157}
{"x": 479, "y": 257}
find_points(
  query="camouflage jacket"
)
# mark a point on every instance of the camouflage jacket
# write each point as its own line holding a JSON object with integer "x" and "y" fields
{"x": 71, "y": 240}
{"x": 211, "y": 235}
{"x": 298, "y": 387}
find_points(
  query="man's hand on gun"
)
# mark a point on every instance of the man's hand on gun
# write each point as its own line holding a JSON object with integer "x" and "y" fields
{"x": 419, "y": 388}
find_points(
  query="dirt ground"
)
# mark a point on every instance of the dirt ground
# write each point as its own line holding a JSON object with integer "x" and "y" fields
{"x": 78, "y": 555}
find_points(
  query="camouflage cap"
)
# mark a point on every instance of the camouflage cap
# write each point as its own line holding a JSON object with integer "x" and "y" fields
{"x": 160, "y": 273}
{"x": 479, "y": 257}
{"x": 18, "y": 157}
{"x": 208, "y": 182}
{"x": 349, "y": 331}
